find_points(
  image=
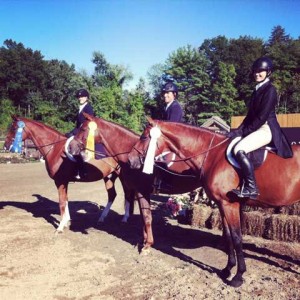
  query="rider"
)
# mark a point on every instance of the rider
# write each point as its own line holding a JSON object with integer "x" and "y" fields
{"x": 173, "y": 111}
{"x": 84, "y": 106}
{"x": 259, "y": 128}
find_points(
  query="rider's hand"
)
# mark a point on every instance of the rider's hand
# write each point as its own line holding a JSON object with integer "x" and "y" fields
{"x": 233, "y": 134}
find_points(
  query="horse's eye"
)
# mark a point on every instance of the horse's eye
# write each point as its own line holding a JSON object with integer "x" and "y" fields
{"x": 143, "y": 137}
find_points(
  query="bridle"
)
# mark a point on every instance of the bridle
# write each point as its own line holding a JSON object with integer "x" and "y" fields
{"x": 142, "y": 153}
{"x": 39, "y": 147}
{"x": 82, "y": 147}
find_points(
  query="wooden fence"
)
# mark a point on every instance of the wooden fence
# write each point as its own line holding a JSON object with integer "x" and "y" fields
{"x": 290, "y": 124}
{"x": 285, "y": 120}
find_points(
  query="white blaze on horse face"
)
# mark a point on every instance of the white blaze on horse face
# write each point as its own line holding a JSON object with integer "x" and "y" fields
{"x": 155, "y": 133}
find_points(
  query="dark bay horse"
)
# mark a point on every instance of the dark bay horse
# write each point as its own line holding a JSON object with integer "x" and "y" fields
{"x": 204, "y": 151}
{"x": 62, "y": 170}
{"x": 119, "y": 141}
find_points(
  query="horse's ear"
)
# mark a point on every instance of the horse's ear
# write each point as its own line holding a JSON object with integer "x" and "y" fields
{"x": 14, "y": 117}
{"x": 150, "y": 120}
{"x": 88, "y": 117}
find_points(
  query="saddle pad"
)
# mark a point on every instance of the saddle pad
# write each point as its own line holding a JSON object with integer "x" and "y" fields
{"x": 257, "y": 157}
{"x": 166, "y": 157}
{"x": 69, "y": 155}
{"x": 100, "y": 151}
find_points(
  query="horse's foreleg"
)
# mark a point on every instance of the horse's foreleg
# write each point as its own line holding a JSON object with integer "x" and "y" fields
{"x": 63, "y": 206}
{"x": 232, "y": 216}
{"x": 111, "y": 192}
{"x": 226, "y": 272}
{"x": 145, "y": 210}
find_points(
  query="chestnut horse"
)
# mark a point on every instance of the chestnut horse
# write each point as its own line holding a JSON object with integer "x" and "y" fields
{"x": 62, "y": 170}
{"x": 119, "y": 141}
{"x": 204, "y": 151}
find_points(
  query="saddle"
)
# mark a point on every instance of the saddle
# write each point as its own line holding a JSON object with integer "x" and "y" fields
{"x": 99, "y": 151}
{"x": 257, "y": 157}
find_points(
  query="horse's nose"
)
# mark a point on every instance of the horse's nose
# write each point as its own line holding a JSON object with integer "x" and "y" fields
{"x": 134, "y": 162}
{"x": 73, "y": 148}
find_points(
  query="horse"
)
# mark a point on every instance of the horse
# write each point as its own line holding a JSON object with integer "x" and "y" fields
{"x": 62, "y": 170}
{"x": 204, "y": 151}
{"x": 119, "y": 141}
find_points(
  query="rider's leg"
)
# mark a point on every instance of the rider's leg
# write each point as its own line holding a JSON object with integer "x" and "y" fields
{"x": 249, "y": 189}
{"x": 82, "y": 171}
{"x": 251, "y": 142}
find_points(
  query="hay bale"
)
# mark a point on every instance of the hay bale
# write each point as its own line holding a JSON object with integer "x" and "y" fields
{"x": 215, "y": 221}
{"x": 253, "y": 223}
{"x": 280, "y": 227}
{"x": 283, "y": 228}
{"x": 291, "y": 209}
{"x": 200, "y": 215}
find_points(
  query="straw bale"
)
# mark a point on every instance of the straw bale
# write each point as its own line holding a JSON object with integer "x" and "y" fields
{"x": 253, "y": 223}
{"x": 201, "y": 215}
{"x": 283, "y": 228}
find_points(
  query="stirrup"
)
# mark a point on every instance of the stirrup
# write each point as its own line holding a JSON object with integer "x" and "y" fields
{"x": 241, "y": 194}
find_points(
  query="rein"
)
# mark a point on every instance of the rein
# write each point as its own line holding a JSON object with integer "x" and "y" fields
{"x": 203, "y": 152}
{"x": 172, "y": 173}
{"x": 101, "y": 154}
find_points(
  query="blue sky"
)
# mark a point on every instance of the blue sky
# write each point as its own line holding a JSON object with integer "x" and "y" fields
{"x": 136, "y": 33}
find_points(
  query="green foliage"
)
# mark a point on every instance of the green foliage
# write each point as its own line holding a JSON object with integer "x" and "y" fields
{"x": 224, "y": 94}
{"x": 213, "y": 79}
{"x": 7, "y": 109}
{"x": 189, "y": 69}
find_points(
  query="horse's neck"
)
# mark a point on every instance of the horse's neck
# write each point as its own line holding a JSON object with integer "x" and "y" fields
{"x": 194, "y": 144}
{"x": 118, "y": 140}
{"x": 43, "y": 138}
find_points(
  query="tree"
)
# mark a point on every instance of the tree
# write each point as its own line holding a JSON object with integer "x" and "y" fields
{"x": 21, "y": 71}
{"x": 285, "y": 53}
{"x": 7, "y": 109}
{"x": 278, "y": 36}
{"x": 135, "y": 102}
{"x": 189, "y": 68}
{"x": 224, "y": 94}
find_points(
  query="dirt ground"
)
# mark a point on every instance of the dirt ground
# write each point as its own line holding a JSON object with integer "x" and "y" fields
{"x": 90, "y": 261}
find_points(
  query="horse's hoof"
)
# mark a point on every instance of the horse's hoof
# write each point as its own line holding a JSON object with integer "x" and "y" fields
{"x": 236, "y": 281}
{"x": 225, "y": 273}
{"x": 58, "y": 231}
{"x": 145, "y": 250}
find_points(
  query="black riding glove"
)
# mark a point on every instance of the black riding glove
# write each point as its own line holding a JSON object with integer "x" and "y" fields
{"x": 233, "y": 134}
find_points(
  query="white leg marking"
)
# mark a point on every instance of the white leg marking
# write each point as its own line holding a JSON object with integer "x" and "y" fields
{"x": 126, "y": 215}
{"x": 105, "y": 211}
{"x": 65, "y": 219}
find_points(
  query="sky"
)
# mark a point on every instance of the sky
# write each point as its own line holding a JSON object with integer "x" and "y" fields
{"x": 137, "y": 33}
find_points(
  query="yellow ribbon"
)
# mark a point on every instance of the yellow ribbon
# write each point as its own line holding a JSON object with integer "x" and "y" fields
{"x": 90, "y": 144}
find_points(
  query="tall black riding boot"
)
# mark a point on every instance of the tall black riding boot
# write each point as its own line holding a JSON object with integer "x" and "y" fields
{"x": 82, "y": 171}
{"x": 249, "y": 188}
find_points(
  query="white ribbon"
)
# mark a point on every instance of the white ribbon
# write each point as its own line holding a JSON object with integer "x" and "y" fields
{"x": 155, "y": 133}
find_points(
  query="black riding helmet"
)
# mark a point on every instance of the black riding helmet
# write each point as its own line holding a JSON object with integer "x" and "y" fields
{"x": 170, "y": 87}
{"x": 82, "y": 93}
{"x": 263, "y": 64}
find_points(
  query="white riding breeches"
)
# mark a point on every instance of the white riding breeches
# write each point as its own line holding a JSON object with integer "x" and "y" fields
{"x": 259, "y": 138}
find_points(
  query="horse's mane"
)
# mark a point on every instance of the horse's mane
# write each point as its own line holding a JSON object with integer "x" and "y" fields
{"x": 121, "y": 127}
{"x": 190, "y": 127}
{"x": 40, "y": 124}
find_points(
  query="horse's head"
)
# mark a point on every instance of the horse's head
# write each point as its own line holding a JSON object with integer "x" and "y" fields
{"x": 16, "y": 134}
{"x": 87, "y": 130}
{"x": 150, "y": 144}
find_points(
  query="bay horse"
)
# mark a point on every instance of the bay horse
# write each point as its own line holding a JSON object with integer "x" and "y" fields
{"x": 62, "y": 170}
{"x": 119, "y": 141}
{"x": 204, "y": 151}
